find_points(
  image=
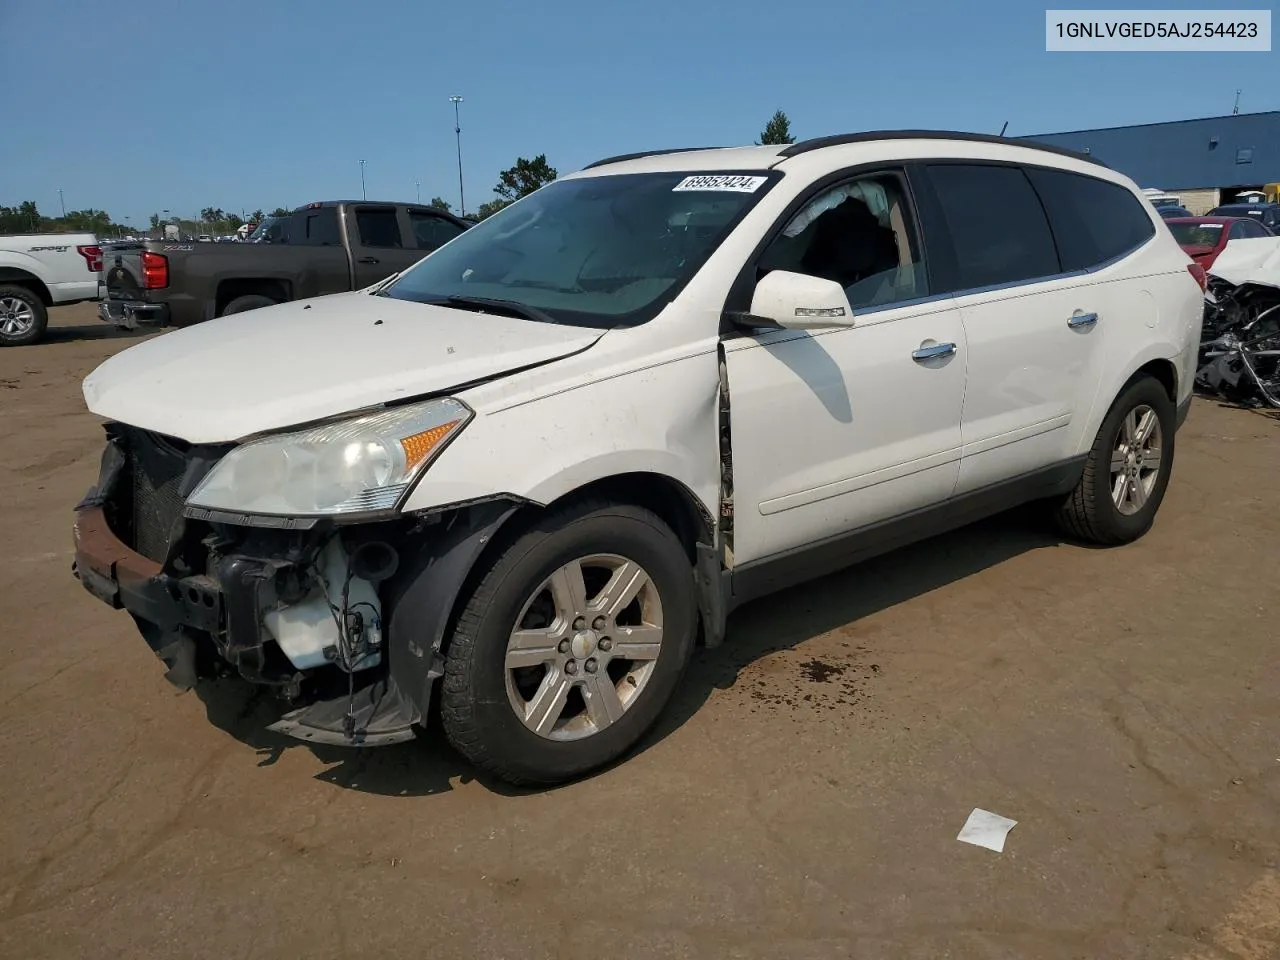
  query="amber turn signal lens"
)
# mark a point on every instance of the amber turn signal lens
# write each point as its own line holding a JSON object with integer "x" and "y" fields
{"x": 419, "y": 446}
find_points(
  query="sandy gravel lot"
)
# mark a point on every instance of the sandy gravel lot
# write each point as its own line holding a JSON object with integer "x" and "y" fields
{"x": 801, "y": 801}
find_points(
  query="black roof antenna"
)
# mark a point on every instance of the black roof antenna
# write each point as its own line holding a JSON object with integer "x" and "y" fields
{"x": 1004, "y": 128}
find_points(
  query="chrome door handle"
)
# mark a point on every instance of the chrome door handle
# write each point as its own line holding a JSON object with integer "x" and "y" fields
{"x": 932, "y": 353}
{"x": 1082, "y": 320}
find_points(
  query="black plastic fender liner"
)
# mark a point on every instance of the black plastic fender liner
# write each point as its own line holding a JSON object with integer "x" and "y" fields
{"x": 422, "y": 595}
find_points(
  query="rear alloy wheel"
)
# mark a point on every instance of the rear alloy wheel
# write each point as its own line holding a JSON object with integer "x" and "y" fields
{"x": 23, "y": 317}
{"x": 571, "y": 645}
{"x": 1127, "y": 469}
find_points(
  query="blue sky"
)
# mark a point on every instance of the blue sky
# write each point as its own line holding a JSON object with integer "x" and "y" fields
{"x": 256, "y": 104}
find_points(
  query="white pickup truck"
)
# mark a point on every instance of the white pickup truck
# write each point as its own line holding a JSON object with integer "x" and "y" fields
{"x": 38, "y": 271}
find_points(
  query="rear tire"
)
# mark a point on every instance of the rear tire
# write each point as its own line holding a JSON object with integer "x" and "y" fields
{"x": 23, "y": 317}
{"x": 251, "y": 301}
{"x": 1127, "y": 470}
{"x": 543, "y": 683}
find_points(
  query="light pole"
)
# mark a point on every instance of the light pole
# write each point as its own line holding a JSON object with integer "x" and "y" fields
{"x": 457, "y": 132}
{"x": 363, "y": 194}
{"x": 418, "y": 184}
{"x": 62, "y": 204}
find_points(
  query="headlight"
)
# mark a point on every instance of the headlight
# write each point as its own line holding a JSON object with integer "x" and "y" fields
{"x": 349, "y": 466}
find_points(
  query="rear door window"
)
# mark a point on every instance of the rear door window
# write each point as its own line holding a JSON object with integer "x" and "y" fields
{"x": 378, "y": 227}
{"x": 997, "y": 225}
{"x": 315, "y": 228}
{"x": 1093, "y": 220}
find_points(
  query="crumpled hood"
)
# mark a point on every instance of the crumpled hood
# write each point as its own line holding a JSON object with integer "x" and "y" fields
{"x": 275, "y": 367}
{"x": 1256, "y": 260}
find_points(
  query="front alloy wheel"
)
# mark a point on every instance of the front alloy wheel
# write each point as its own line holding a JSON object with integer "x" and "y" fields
{"x": 1135, "y": 461}
{"x": 587, "y": 643}
{"x": 571, "y": 645}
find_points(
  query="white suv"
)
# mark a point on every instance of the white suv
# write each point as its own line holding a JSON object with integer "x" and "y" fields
{"x": 538, "y": 464}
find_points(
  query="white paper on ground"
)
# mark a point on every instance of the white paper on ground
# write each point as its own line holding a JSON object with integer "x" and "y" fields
{"x": 986, "y": 829}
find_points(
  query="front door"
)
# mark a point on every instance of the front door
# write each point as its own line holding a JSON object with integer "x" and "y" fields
{"x": 833, "y": 430}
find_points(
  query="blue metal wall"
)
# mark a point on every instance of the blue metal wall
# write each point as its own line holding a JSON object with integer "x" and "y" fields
{"x": 1183, "y": 155}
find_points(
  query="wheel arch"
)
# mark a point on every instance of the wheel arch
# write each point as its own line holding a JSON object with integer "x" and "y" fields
{"x": 1158, "y": 361}
{"x": 18, "y": 277}
{"x": 461, "y": 540}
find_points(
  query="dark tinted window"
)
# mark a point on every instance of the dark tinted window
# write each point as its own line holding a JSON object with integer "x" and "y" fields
{"x": 996, "y": 223}
{"x": 1252, "y": 229}
{"x": 378, "y": 227}
{"x": 315, "y": 228}
{"x": 431, "y": 231}
{"x": 1093, "y": 221}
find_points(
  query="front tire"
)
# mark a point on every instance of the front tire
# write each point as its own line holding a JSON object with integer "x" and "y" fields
{"x": 1127, "y": 469}
{"x": 571, "y": 645}
{"x": 23, "y": 317}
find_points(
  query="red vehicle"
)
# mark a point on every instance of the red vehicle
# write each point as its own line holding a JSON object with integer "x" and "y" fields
{"x": 1203, "y": 238}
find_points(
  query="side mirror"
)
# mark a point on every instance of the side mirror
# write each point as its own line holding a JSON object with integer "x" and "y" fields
{"x": 796, "y": 301}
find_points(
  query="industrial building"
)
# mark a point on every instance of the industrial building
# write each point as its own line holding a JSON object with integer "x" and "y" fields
{"x": 1205, "y": 162}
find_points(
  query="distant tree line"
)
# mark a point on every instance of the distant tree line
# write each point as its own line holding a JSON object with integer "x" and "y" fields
{"x": 518, "y": 180}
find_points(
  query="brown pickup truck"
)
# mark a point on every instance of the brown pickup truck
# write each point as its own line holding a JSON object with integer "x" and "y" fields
{"x": 328, "y": 247}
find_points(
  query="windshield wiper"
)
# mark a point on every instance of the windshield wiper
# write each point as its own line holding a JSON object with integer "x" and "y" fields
{"x": 493, "y": 303}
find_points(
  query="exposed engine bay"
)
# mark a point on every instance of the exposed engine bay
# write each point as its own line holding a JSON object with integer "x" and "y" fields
{"x": 1240, "y": 344}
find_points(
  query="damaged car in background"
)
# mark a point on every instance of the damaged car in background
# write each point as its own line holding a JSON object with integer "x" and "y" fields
{"x": 517, "y": 482}
{"x": 1240, "y": 349}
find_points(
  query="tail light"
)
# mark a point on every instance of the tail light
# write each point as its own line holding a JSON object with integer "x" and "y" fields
{"x": 92, "y": 257}
{"x": 1197, "y": 271}
{"x": 155, "y": 270}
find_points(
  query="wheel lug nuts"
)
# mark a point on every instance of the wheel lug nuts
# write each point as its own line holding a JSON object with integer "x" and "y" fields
{"x": 563, "y": 646}
{"x": 598, "y": 623}
{"x": 571, "y": 668}
{"x": 605, "y": 644}
{"x": 592, "y": 666}
{"x": 579, "y": 624}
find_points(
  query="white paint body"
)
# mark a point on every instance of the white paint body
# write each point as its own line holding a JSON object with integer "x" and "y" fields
{"x": 832, "y": 429}
{"x": 52, "y": 259}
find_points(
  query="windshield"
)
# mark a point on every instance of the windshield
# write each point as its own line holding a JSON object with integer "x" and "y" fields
{"x": 1196, "y": 234}
{"x": 600, "y": 251}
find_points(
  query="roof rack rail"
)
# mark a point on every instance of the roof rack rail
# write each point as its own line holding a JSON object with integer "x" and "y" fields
{"x": 643, "y": 153}
{"x": 817, "y": 143}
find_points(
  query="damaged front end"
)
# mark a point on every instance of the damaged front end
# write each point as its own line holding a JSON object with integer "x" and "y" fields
{"x": 343, "y": 622}
{"x": 1240, "y": 344}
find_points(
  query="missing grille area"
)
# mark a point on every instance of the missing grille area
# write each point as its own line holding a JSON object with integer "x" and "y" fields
{"x": 156, "y": 467}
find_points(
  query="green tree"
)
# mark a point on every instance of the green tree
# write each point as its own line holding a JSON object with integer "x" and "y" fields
{"x": 280, "y": 212}
{"x": 490, "y": 208}
{"x": 524, "y": 178}
{"x": 155, "y": 221}
{"x": 777, "y": 130}
{"x": 439, "y": 203}
{"x": 257, "y": 216}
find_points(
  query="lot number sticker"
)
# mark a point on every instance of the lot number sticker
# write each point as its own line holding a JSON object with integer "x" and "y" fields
{"x": 724, "y": 183}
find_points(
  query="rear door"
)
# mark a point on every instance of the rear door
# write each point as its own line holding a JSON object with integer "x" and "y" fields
{"x": 1036, "y": 320}
{"x": 380, "y": 242}
{"x": 324, "y": 268}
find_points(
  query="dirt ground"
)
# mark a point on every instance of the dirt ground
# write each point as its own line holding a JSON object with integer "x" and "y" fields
{"x": 802, "y": 800}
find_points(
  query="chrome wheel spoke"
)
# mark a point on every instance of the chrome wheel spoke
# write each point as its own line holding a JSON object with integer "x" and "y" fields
{"x": 1119, "y": 489}
{"x": 1129, "y": 431}
{"x": 569, "y": 591}
{"x": 1119, "y": 457}
{"x": 637, "y": 643}
{"x": 1151, "y": 458}
{"x": 623, "y": 587}
{"x": 531, "y": 648}
{"x": 604, "y": 706}
{"x": 1137, "y": 493}
{"x": 548, "y": 703}
{"x": 1145, "y": 426}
